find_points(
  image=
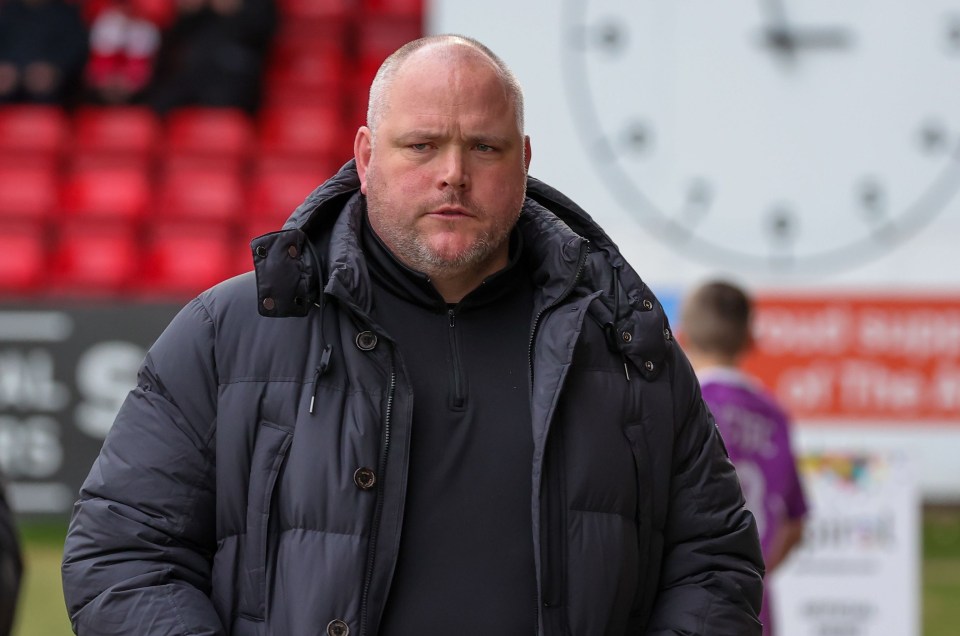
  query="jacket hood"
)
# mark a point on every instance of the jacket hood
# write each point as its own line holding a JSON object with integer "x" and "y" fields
{"x": 634, "y": 321}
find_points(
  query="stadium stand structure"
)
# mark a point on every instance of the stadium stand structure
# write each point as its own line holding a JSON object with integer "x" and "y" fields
{"x": 118, "y": 202}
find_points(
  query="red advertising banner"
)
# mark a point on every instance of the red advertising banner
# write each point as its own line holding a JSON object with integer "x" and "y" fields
{"x": 873, "y": 359}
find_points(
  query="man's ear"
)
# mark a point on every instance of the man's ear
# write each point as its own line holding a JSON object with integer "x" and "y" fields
{"x": 362, "y": 149}
{"x": 527, "y": 153}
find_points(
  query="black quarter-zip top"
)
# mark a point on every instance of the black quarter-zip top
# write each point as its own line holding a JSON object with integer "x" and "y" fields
{"x": 466, "y": 562}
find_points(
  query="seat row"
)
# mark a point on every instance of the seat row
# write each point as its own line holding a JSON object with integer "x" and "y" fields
{"x": 110, "y": 232}
{"x": 133, "y": 136}
{"x": 131, "y": 195}
{"x": 93, "y": 261}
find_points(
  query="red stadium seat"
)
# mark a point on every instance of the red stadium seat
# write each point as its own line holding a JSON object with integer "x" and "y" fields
{"x": 306, "y": 132}
{"x": 33, "y": 131}
{"x": 27, "y": 192}
{"x": 322, "y": 167}
{"x": 23, "y": 266}
{"x": 210, "y": 136}
{"x": 183, "y": 260}
{"x": 275, "y": 195}
{"x": 95, "y": 259}
{"x": 106, "y": 193}
{"x": 115, "y": 133}
{"x": 406, "y": 8}
{"x": 305, "y": 72}
{"x": 315, "y": 9}
{"x": 203, "y": 195}
{"x": 381, "y": 35}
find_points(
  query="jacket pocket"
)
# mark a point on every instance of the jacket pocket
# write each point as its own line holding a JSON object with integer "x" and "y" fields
{"x": 269, "y": 454}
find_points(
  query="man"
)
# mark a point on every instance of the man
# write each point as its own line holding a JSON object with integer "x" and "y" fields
{"x": 716, "y": 332}
{"x": 458, "y": 411}
{"x": 213, "y": 54}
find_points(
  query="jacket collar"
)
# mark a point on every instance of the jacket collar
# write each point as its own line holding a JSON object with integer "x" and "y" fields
{"x": 319, "y": 248}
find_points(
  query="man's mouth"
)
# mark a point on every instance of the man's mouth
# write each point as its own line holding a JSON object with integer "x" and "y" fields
{"x": 451, "y": 211}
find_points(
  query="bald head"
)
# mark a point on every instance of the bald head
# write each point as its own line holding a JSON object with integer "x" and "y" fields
{"x": 451, "y": 48}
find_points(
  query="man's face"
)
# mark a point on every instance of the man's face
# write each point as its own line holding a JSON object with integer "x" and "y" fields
{"x": 446, "y": 177}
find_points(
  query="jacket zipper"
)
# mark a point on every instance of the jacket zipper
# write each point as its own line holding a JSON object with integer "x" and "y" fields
{"x": 584, "y": 251}
{"x": 553, "y": 514}
{"x": 458, "y": 396}
{"x": 547, "y": 591}
{"x": 374, "y": 529}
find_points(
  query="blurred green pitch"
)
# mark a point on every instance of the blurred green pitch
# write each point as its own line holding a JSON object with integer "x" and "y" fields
{"x": 42, "y": 611}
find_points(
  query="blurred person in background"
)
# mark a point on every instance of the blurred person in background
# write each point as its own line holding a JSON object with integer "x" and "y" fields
{"x": 443, "y": 404}
{"x": 124, "y": 41}
{"x": 43, "y": 47}
{"x": 11, "y": 564}
{"x": 716, "y": 332}
{"x": 213, "y": 54}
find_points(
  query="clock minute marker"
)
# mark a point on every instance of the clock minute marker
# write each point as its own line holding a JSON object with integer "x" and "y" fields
{"x": 953, "y": 34}
{"x": 932, "y": 136}
{"x": 638, "y": 138}
{"x": 611, "y": 36}
{"x": 872, "y": 200}
{"x": 607, "y": 37}
{"x": 698, "y": 200}
{"x": 782, "y": 224}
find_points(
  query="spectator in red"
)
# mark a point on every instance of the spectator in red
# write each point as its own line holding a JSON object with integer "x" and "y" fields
{"x": 214, "y": 54}
{"x": 124, "y": 41}
{"x": 42, "y": 51}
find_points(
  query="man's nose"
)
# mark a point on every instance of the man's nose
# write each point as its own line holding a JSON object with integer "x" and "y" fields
{"x": 454, "y": 170}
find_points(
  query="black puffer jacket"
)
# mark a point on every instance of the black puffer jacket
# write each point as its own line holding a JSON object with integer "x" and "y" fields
{"x": 253, "y": 482}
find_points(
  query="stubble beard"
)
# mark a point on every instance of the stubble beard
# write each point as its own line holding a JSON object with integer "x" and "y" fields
{"x": 413, "y": 248}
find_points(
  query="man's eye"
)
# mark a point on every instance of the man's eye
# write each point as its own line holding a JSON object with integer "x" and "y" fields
{"x": 484, "y": 148}
{"x": 419, "y": 146}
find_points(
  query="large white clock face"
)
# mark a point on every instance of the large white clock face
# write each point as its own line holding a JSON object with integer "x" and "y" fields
{"x": 793, "y": 135}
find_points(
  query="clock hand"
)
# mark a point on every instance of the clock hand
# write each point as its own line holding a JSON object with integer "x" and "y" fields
{"x": 778, "y": 34}
{"x": 789, "y": 42}
{"x": 820, "y": 38}
{"x": 776, "y": 16}
{"x": 786, "y": 39}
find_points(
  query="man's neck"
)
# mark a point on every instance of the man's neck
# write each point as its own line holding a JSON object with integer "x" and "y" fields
{"x": 455, "y": 286}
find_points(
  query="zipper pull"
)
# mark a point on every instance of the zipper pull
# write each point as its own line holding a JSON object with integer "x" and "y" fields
{"x": 319, "y": 371}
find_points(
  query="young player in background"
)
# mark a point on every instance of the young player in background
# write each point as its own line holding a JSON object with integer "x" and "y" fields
{"x": 716, "y": 323}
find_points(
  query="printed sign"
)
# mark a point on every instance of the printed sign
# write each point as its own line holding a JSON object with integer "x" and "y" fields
{"x": 886, "y": 359}
{"x": 857, "y": 571}
{"x": 63, "y": 375}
